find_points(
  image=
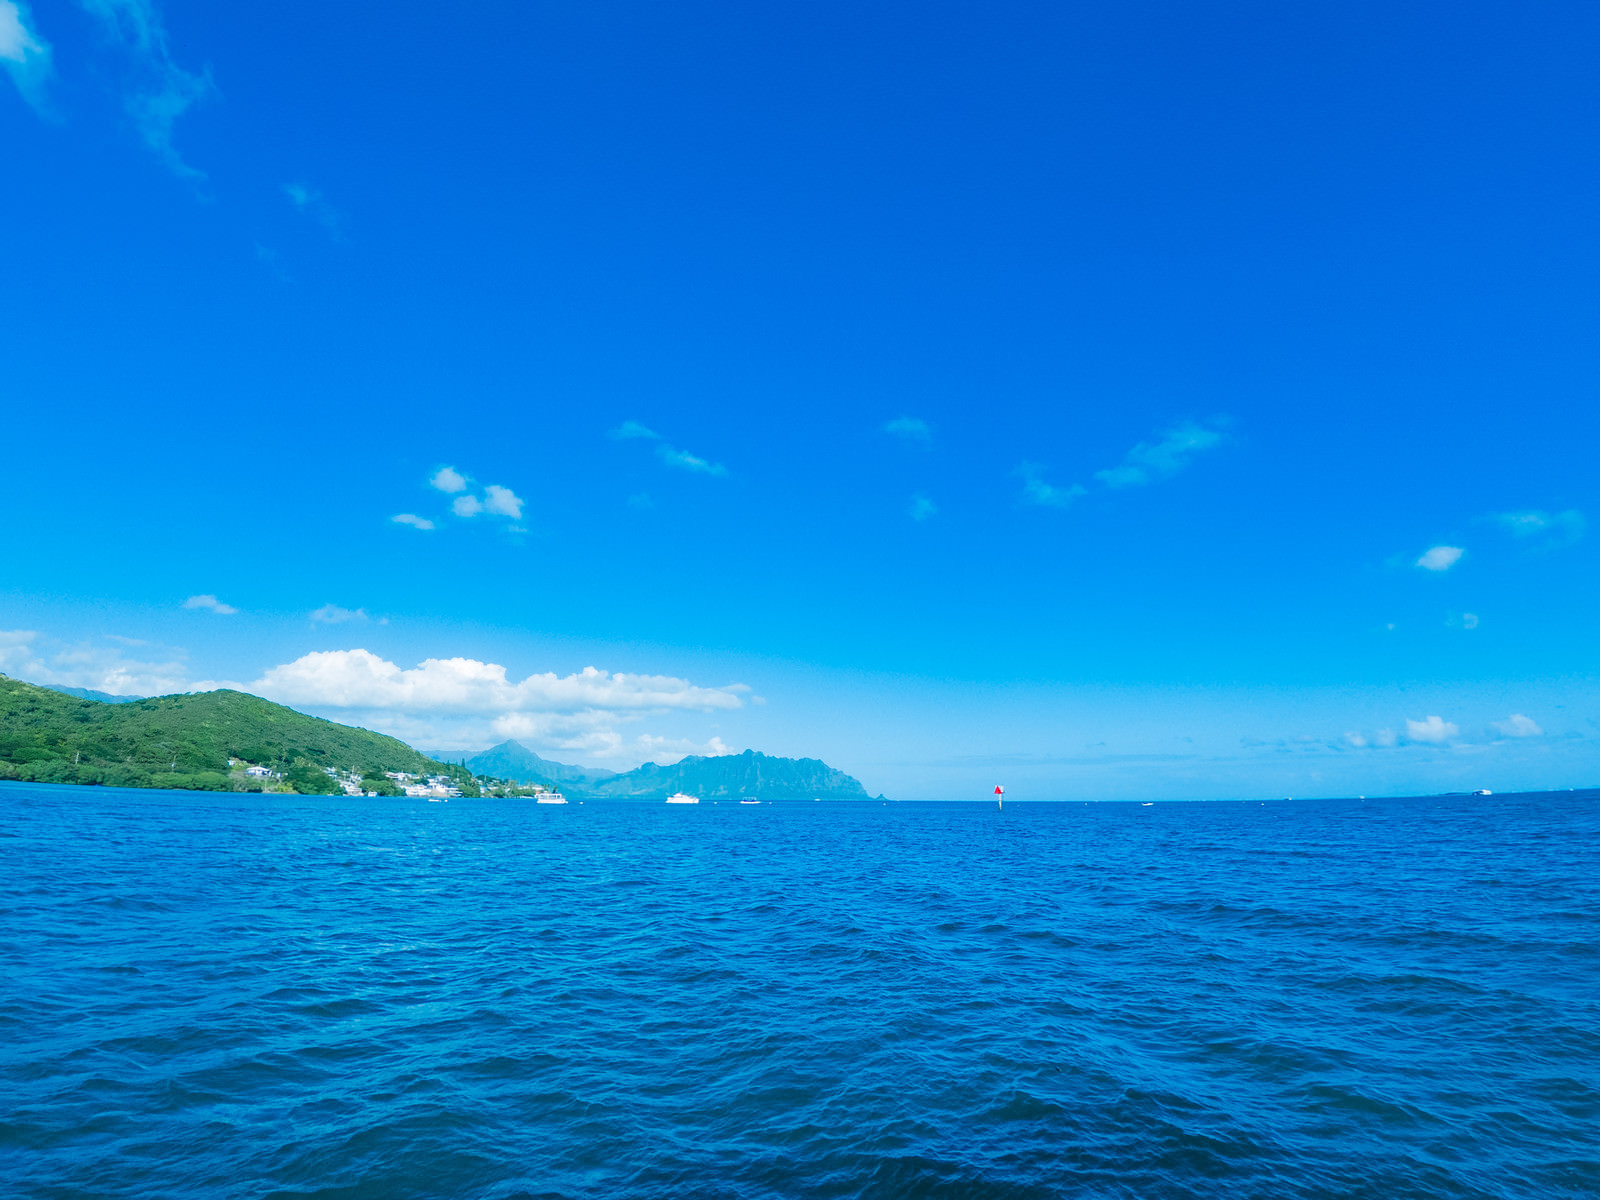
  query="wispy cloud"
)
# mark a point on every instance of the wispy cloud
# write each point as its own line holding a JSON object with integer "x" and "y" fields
{"x": 1440, "y": 558}
{"x": 211, "y": 604}
{"x": 1146, "y": 463}
{"x": 412, "y": 520}
{"x": 1518, "y": 726}
{"x": 309, "y": 202}
{"x": 1150, "y": 461}
{"x": 922, "y": 507}
{"x": 671, "y": 455}
{"x": 332, "y": 614}
{"x": 161, "y": 91}
{"x": 35, "y": 658}
{"x": 1546, "y": 528}
{"x": 25, "y": 54}
{"x": 913, "y": 430}
{"x": 1036, "y": 491}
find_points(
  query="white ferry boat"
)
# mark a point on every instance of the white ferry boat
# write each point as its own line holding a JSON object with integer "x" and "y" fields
{"x": 551, "y": 798}
{"x": 749, "y": 802}
{"x": 682, "y": 798}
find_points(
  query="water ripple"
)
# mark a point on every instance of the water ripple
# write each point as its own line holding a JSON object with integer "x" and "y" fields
{"x": 331, "y": 998}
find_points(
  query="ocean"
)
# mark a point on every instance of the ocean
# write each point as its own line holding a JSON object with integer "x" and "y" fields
{"x": 247, "y": 996}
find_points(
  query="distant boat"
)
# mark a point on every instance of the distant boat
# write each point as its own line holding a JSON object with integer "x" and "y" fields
{"x": 1483, "y": 792}
{"x": 1147, "y": 804}
{"x": 551, "y": 798}
{"x": 682, "y": 798}
{"x": 435, "y": 799}
{"x": 749, "y": 802}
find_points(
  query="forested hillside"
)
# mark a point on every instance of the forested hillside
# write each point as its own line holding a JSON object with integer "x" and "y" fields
{"x": 186, "y": 741}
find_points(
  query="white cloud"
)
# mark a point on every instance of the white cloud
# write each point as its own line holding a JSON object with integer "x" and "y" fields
{"x": 25, "y": 54}
{"x": 1519, "y": 726}
{"x": 1440, "y": 558}
{"x": 688, "y": 462}
{"x": 1433, "y": 730}
{"x": 673, "y": 457}
{"x": 496, "y": 500}
{"x": 922, "y": 507}
{"x": 1036, "y": 491}
{"x": 209, "y": 601}
{"x": 1356, "y": 739}
{"x": 594, "y": 735}
{"x": 666, "y": 751}
{"x": 332, "y": 614}
{"x": 308, "y": 201}
{"x": 1385, "y": 738}
{"x": 464, "y": 702}
{"x": 448, "y": 479}
{"x": 1553, "y": 529}
{"x": 910, "y": 429}
{"x": 1469, "y": 620}
{"x": 1149, "y": 461}
{"x": 164, "y": 91}
{"x": 360, "y": 679}
{"x": 412, "y": 520}
{"x": 502, "y": 501}
{"x": 632, "y": 429}
{"x": 27, "y": 655}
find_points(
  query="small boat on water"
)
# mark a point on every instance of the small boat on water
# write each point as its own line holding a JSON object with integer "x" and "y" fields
{"x": 682, "y": 798}
{"x": 1483, "y": 792}
{"x": 749, "y": 802}
{"x": 551, "y": 798}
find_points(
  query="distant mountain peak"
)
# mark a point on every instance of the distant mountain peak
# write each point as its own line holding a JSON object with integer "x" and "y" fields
{"x": 750, "y": 774}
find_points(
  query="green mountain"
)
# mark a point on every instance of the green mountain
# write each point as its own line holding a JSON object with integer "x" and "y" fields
{"x": 748, "y": 776}
{"x": 186, "y": 742}
{"x": 91, "y": 694}
{"x": 751, "y": 775}
{"x": 512, "y": 761}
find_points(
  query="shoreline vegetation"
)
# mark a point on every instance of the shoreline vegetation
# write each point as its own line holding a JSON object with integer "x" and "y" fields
{"x": 227, "y": 741}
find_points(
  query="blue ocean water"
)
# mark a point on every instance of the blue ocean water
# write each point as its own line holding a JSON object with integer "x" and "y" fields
{"x": 206, "y": 995}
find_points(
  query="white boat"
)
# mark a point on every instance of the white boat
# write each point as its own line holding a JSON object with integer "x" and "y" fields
{"x": 551, "y": 798}
{"x": 682, "y": 798}
{"x": 1483, "y": 792}
{"x": 749, "y": 802}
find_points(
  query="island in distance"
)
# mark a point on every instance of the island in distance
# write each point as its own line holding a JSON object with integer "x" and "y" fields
{"x": 231, "y": 741}
{"x": 748, "y": 776}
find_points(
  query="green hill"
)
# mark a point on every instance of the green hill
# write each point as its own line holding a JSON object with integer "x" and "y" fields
{"x": 514, "y": 761}
{"x": 748, "y": 776}
{"x": 186, "y": 741}
{"x": 751, "y": 775}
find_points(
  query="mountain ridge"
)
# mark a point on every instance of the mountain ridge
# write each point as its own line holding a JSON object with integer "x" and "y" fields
{"x": 751, "y": 775}
{"x": 202, "y": 741}
{"x": 187, "y": 741}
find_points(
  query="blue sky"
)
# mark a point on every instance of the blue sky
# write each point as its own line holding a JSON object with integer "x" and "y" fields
{"x": 1110, "y": 400}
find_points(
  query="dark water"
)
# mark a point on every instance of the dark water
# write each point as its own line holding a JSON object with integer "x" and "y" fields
{"x": 216, "y": 996}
